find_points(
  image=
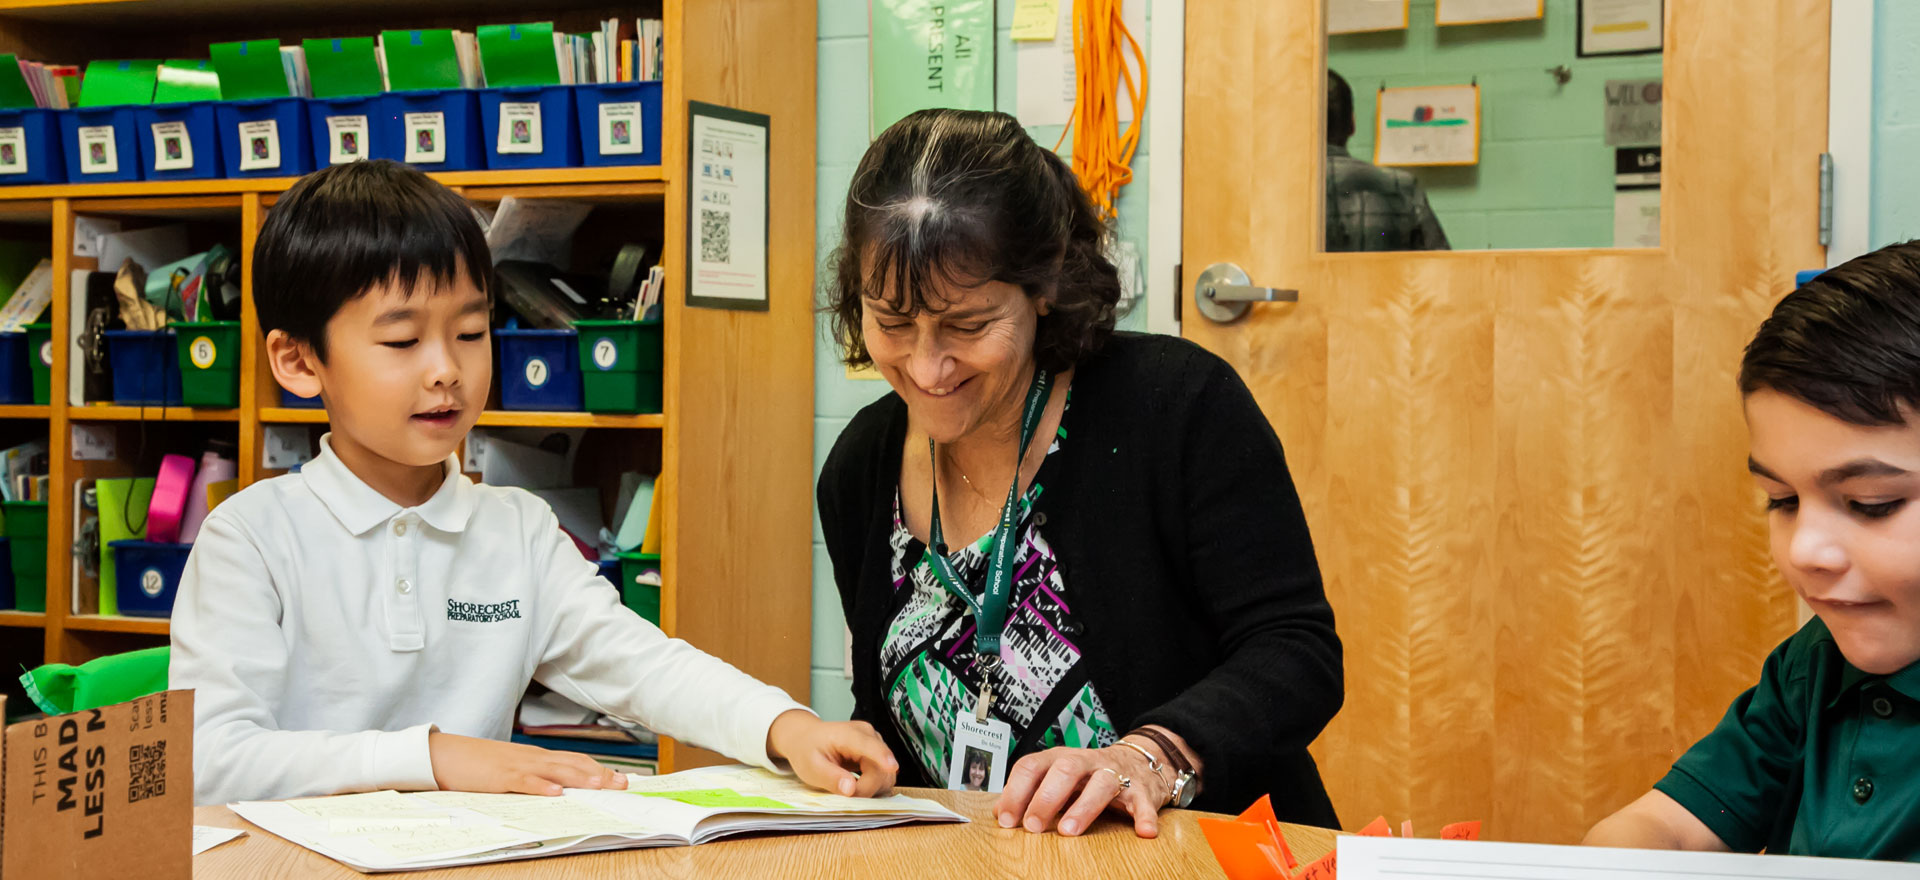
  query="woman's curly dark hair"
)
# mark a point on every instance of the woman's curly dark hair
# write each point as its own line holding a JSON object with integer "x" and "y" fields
{"x": 966, "y": 197}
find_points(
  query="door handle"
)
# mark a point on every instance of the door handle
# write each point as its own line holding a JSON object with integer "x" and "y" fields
{"x": 1223, "y": 292}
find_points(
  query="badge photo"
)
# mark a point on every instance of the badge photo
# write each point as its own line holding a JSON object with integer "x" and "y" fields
{"x": 978, "y": 760}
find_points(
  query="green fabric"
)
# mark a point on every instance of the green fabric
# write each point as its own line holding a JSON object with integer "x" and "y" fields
{"x": 1851, "y": 737}
{"x": 344, "y": 67}
{"x": 518, "y": 54}
{"x": 182, "y": 81}
{"x": 251, "y": 70}
{"x": 59, "y": 689}
{"x": 118, "y": 83}
{"x": 14, "y": 93}
{"x": 421, "y": 60}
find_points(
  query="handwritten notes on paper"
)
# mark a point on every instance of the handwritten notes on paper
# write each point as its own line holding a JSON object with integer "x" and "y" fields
{"x": 1035, "y": 20}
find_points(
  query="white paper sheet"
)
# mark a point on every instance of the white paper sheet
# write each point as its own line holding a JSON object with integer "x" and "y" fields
{"x": 539, "y": 230}
{"x": 1044, "y": 72}
{"x": 1391, "y": 858}
{"x": 1620, "y": 26}
{"x": 1484, "y": 11}
{"x": 727, "y": 196}
{"x": 1361, "y": 16}
{"x": 1434, "y": 125}
{"x": 206, "y": 837}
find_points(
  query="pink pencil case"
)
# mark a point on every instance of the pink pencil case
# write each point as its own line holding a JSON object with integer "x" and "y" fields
{"x": 169, "y": 504}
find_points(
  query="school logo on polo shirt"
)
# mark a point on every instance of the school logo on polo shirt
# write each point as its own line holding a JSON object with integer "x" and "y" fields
{"x": 474, "y": 612}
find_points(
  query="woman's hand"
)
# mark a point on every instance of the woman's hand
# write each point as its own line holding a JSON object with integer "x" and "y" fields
{"x": 843, "y": 757}
{"x": 1068, "y": 789}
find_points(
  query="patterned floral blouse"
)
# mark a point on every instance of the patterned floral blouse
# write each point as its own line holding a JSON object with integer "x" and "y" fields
{"x": 928, "y": 663}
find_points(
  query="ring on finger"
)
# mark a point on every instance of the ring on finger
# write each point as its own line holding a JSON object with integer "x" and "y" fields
{"x": 1125, "y": 783}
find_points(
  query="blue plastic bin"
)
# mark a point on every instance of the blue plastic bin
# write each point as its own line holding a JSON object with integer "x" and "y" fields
{"x": 147, "y": 576}
{"x": 102, "y": 144}
{"x": 30, "y": 150}
{"x": 539, "y": 369}
{"x": 266, "y": 138}
{"x": 350, "y": 129}
{"x": 608, "y": 114}
{"x": 529, "y": 127}
{"x": 293, "y": 401}
{"x": 146, "y": 367}
{"x": 609, "y": 569}
{"x": 437, "y": 130}
{"x": 178, "y": 141}
{"x": 16, "y": 371}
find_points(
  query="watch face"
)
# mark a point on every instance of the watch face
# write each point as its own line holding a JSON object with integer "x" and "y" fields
{"x": 1185, "y": 790}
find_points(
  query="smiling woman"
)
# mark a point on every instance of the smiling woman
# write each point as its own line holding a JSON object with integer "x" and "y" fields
{"x": 1073, "y": 554}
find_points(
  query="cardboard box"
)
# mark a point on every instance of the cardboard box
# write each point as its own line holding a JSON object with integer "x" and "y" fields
{"x": 104, "y": 793}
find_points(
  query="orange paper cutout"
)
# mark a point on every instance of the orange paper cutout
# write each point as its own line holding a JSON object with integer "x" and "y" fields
{"x": 1461, "y": 831}
{"x": 1325, "y": 869}
{"x": 1377, "y": 828}
{"x": 1273, "y": 827}
{"x": 1245, "y": 851}
{"x": 1261, "y": 811}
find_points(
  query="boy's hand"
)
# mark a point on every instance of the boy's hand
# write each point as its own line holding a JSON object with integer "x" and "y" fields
{"x": 843, "y": 757}
{"x": 464, "y": 763}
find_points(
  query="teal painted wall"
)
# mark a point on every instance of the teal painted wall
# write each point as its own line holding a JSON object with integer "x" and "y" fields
{"x": 1896, "y": 122}
{"x": 842, "y": 117}
{"x": 1545, "y": 177}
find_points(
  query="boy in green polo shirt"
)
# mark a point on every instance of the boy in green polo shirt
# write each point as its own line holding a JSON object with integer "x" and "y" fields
{"x": 1822, "y": 756}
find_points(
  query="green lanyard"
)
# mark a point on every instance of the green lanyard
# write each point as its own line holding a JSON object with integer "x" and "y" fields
{"x": 990, "y": 610}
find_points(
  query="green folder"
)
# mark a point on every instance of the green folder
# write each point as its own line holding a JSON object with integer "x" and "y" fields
{"x": 116, "y": 510}
{"x": 250, "y": 71}
{"x": 118, "y": 83}
{"x": 518, "y": 54}
{"x": 181, "y": 81}
{"x": 343, "y": 68}
{"x": 421, "y": 60}
{"x": 14, "y": 92}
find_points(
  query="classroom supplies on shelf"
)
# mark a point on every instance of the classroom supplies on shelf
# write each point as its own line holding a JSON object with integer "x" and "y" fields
{"x": 146, "y": 369}
{"x": 30, "y": 149}
{"x": 535, "y": 231}
{"x": 147, "y": 576}
{"x": 640, "y": 583}
{"x": 217, "y": 468}
{"x": 25, "y": 526}
{"x": 439, "y": 129}
{"x": 209, "y": 362}
{"x": 24, "y": 468}
{"x": 169, "y": 504}
{"x": 181, "y": 140}
{"x": 6, "y": 574}
{"x": 16, "y": 367}
{"x": 40, "y": 361}
{"x": 539, "y": 369}
{"x": 438, "y": 829}
{"x": 29, "y": 300}
{"x": 619, "y": 123}
{"x": 122, "y": 507}
{"x": 535, "y": 293}
{"x": 621, "y": 365}
{"x": 100, "y": 136}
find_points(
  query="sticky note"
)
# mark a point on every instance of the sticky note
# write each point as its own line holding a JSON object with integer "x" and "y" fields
{"x": 718, "y": 798}
{"x": 1036, "y": 20}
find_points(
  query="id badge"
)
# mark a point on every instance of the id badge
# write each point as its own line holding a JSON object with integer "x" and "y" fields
{"x": 979, "y": 755}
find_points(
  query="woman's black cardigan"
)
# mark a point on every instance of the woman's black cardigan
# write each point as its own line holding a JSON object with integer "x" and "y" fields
{"x": 1174, "y": 519}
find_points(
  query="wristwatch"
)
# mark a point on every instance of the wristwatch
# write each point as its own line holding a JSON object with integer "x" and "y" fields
{"x": 1186, "y": 783}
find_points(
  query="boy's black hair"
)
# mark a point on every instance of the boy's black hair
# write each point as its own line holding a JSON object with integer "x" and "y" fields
{"x": 1846, "y": 342}
{"x": 339, "y": 232}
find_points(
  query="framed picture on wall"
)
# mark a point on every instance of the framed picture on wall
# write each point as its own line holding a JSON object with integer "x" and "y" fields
{"x": 1427, "y": 125}
{"x": 1366, "y": 16}
{"x": 1621, "y": 27}
{"x": 1457, "y": 12}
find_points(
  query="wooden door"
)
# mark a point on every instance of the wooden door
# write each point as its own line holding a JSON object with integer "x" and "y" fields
{"x": 1524, "y": 470}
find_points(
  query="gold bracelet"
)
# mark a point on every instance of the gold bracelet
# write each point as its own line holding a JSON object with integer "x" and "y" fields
{"x": 1151, "y": 761}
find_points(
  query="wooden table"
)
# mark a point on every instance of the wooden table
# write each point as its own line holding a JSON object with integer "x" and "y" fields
{"x": 975, "y": 851}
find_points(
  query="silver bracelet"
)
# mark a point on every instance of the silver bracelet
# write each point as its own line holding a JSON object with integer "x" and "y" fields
{"x": 1151, "y": 760}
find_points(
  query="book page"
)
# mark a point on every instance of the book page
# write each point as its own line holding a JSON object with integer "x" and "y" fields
{"x": 1378, "y": 858}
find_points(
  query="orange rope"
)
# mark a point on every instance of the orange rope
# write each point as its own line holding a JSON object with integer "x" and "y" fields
{"x": 1102, "y": 153}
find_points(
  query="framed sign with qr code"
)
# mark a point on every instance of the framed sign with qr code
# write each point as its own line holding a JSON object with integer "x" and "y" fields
{"x": 726, "y": 207}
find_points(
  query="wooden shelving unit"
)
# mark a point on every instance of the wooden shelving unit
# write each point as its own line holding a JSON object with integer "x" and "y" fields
{"x": 734, "y": 444}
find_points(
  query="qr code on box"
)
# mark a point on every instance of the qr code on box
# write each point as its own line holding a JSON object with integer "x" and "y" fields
{"x": 147, "y": 771}
{"x": 716, "y": 236}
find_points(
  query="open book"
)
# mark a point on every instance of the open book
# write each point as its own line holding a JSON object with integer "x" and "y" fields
{"x": 392, "y": 831}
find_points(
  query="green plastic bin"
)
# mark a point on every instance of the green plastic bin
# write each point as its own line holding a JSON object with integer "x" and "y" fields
{"x": 209, "y": 363}
{"x": 40, "y": 360}
{"x": 644, "y": 599}
{"x": 25, "y": 523}
{"x": 620, "y": 365}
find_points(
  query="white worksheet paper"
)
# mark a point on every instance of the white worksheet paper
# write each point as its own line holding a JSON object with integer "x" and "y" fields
{"x": 1393, "y": 858}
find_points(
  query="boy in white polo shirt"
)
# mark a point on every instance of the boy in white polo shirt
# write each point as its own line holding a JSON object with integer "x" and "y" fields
{"x": 372, "y": 621}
